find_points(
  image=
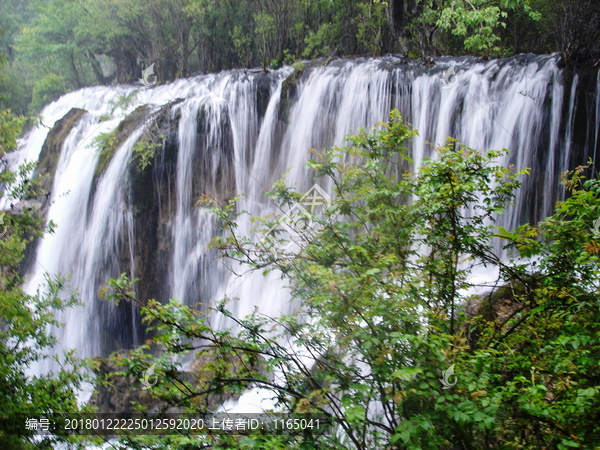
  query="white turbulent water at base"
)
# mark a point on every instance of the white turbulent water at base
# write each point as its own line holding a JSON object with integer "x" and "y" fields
{"x": 513, "y": 104}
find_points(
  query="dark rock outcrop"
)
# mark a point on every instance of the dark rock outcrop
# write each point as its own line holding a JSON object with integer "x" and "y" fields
{"x": 263, "y": 93}
{"x": 152, "y": 191}
{"x": 52, "y": 148}
{"x": 496, "y": 308}
{"x": 289, "y": 87}
{"x": 289, "y": 93}
{"x": 117, "y": 394}
{"x": 152, "y": 199}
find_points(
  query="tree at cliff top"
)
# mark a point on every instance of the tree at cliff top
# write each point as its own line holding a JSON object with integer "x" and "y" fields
{"x": 57, "y": 45}
{"x": 386, "y": 319}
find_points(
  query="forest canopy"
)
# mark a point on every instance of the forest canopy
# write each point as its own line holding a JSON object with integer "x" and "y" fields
{"x": 54, "y": 46}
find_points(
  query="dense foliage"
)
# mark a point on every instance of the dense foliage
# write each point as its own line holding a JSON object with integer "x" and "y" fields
{"x": 387, "y": 299}
{"x": 59, "y": 45}
{"x": 26, "y": 321}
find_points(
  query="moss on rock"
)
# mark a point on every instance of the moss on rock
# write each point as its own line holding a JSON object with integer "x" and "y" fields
{"x": 111, "y": 142}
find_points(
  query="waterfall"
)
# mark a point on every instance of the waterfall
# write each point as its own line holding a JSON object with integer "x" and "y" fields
{"x": 239, "y": 131}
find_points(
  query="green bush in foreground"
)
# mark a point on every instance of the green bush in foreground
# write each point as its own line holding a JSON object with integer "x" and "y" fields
{"x": 26, "y": 320}
{"x": 383, "y": 312}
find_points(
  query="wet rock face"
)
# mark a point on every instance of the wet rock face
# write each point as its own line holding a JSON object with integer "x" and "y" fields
{"x": 289, "y": 94}
{"x": 152, "y": 198}
{"x": 263, "y": 93}
{"x": 152, "y": 195}
{"x": 52, "y": 147}
{"x": 213, "y": 159}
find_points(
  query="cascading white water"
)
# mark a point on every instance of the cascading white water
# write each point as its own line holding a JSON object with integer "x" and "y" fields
{"x": 516, "y": 104}
{"x": 84, "y": 247}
